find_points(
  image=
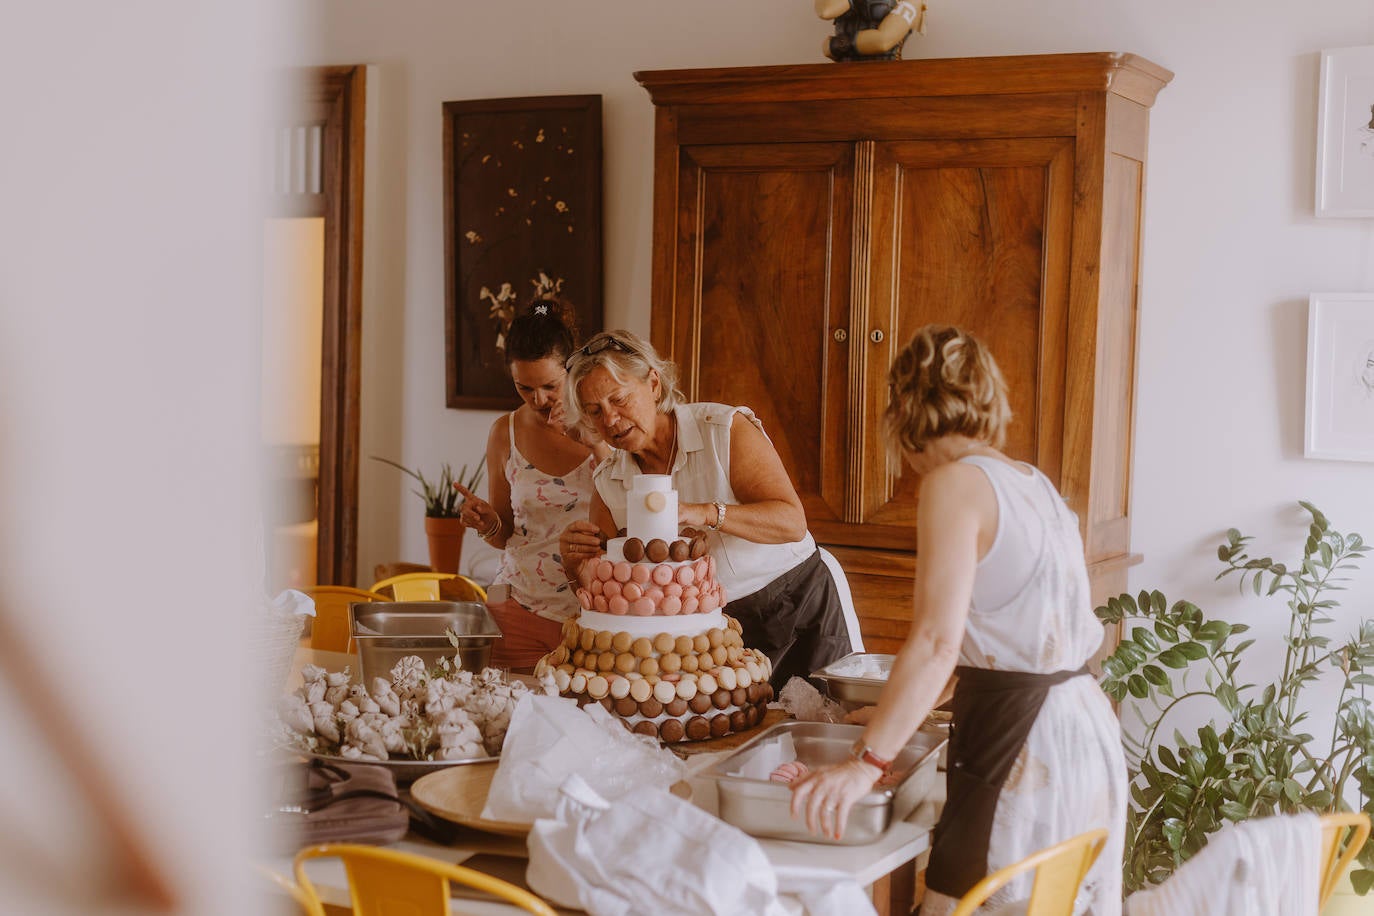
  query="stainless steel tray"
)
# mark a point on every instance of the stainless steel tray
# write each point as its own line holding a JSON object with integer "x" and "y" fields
{"x": 387, "y": 631}
{"x": 762, "y": 808}
{"x": 851, "y": 687}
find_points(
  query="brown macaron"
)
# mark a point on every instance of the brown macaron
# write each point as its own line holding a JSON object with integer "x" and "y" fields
{"x": 672, "y": 730}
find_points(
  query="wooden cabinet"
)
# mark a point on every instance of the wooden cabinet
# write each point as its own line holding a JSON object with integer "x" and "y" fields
{"x": 808, "y": 218}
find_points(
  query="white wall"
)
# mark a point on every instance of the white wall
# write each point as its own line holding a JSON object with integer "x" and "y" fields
{"x": 129, "y": 291}
{"x": 1231, "y": 246}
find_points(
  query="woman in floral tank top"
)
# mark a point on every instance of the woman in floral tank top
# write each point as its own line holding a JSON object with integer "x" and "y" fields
{"x": 539, "y": 480}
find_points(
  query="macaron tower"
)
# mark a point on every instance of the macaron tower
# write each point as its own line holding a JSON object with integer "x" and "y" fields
{"x": 652, "y": 644}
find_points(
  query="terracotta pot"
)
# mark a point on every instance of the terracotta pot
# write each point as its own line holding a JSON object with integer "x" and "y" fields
{"x": 445, "y": 543}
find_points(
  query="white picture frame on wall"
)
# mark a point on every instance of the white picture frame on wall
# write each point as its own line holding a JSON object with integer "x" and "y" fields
{"x": 1340, "y": 377}
{"x": 1345, "y": 133}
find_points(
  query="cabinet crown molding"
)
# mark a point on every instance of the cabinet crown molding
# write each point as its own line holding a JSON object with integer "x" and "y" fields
{"x": 1127, "y": 75}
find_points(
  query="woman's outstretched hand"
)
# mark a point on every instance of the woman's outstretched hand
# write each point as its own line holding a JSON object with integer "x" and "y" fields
{"x": 825, "y": 796}
{"x": 476, "y": 513}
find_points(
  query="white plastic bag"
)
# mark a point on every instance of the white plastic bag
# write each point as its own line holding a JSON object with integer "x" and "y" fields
{"x": 550, "y": 739}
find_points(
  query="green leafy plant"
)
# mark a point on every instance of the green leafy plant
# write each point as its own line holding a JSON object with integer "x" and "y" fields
{"x": 1254, "y": 759}
{"x": 441, "y": 499}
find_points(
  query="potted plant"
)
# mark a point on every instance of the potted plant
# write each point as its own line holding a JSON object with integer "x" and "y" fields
{"x": 1255, "y": 758}
{"x": 442, "y": 506}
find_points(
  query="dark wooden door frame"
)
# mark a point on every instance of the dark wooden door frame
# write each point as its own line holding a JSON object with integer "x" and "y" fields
{"x": 328, "y": 102}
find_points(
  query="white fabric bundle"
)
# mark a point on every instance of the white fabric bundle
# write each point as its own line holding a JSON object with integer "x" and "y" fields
{"x": 1262, "y": 867}
{"x": 551, "y": 739}
{"x": 650, "y": 852}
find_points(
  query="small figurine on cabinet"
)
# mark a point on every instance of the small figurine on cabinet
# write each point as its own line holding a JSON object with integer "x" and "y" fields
{"x": 870, "y": 29}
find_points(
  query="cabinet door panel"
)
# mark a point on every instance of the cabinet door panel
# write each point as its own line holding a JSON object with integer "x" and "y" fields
{"x": 762, "y": 272}
{"x": 975, "y": 234}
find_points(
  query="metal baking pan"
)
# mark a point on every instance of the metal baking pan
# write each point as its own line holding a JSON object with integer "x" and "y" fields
{"x": 856, "y": 678}
{"x": 388, "y": 631}
{"x": 762, "y": 808}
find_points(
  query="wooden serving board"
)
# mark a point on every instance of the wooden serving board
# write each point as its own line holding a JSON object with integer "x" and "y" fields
{"x": 459, "y": 795}
{"x": 729, "y": 742}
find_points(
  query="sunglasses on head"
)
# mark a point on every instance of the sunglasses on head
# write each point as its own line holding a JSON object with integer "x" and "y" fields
{"x": 596, "y": 346}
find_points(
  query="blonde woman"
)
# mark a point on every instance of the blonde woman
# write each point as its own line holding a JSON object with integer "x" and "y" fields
{"x": 730, "y": 483}
{"x": 1001, "y": 600}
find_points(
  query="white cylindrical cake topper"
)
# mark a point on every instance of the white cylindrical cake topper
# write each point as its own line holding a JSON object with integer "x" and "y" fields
{"x": 651, "y": 510}
{"x": 615, "y": 549}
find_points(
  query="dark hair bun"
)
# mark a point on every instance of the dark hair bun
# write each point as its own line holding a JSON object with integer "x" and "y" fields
{"x": 545, "y": 327}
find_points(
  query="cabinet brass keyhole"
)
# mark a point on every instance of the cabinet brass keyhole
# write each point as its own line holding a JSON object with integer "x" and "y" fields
{"x": 841, "y": 335}
{"x": 876, "y": 335}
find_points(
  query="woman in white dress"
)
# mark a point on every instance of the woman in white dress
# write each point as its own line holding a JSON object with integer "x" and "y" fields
{"x": 1001, "y": 602}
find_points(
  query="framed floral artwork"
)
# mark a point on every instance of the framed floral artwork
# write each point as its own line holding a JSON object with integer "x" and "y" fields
{"x": 522, "y": 221}
{"x": 1340, "y": 377}
{"x": 1345, "y": 133}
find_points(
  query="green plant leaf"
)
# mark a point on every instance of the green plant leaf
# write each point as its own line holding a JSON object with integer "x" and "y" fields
{"x": 1191, "y": 650}
{"x": 1155, "y": 675}
{"x": 1234, "y": 810}
{"x": 1362, "y": 880}
{"x": 1226, "y": 694}
{"x": 1138, "y": 686}
{"x": 1172, "y": 829}
{"x": 1173, "y": 658}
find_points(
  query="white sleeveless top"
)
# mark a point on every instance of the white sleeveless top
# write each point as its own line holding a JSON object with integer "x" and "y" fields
{"x": 1032, "y": 610}
{"x": 701, "y": 474}
{"x": 543, "y": 505}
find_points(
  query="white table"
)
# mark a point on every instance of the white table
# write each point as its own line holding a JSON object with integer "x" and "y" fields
{"x": 504, "y": 857}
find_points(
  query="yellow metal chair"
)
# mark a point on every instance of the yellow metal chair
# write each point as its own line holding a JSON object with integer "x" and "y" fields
{"x": 308, "y": 904}
{"x": 331, "y": 632}
{"x": 1059, "y": 870}
{"x": 415, "y": 586}
{"x": 382, "y": 881}
{"x": 1348, "y": 828}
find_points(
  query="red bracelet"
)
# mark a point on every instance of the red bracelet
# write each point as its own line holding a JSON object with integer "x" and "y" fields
{"x": 864, "y": 753}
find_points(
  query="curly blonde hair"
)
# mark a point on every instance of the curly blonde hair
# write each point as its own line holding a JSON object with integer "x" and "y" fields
{"x": 944, "y": 382}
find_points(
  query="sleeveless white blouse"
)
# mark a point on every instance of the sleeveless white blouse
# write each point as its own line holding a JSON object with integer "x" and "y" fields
{"x": 701, "y": 474}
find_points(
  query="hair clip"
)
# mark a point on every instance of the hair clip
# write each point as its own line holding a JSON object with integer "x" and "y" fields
{"x": 541, "y": 309}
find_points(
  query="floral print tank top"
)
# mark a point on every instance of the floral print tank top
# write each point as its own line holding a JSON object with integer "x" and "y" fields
{"x": 543, "y": 505}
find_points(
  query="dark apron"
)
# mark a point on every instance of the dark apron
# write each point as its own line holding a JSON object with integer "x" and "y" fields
{"x": 796, "y": 620}
{"x": 993, "y": 713}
